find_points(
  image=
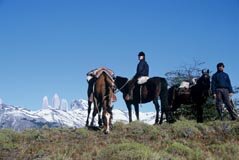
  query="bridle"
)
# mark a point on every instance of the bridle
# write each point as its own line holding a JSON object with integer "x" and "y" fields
{"x": 119, "y": 89}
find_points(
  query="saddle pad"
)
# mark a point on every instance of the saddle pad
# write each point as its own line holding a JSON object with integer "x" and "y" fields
{"x": 184, "y": 84}
{"x": 97, "y": 72}
{"x": 142, "y": 80}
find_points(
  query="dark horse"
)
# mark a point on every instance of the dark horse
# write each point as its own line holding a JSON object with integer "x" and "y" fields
{"x": 102, "y": 98}
{"x": 195, "y": 95}
{"x": 152, "y": 90}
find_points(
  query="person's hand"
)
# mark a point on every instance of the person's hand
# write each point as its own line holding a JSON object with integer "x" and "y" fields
{"x": 214, "y": 95}
{"x": 230, "y": 94}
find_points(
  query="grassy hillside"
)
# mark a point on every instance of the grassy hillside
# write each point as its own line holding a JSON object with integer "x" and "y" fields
{"x": 136, "y": 141}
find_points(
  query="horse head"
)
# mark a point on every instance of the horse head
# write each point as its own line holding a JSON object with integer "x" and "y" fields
{"x": 204, "y": 83}
{"x": 204, "y": 80}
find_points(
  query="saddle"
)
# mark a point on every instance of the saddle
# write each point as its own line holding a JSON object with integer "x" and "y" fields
{"x": 98, "y": 71}
{"x": 183, "y": 91}
{"x": 142, "y": 80}
{"x": 95, "y": 73}
{"x": 184, "y": 87}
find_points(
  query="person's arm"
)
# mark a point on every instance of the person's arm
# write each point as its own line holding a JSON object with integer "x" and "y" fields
{"x": 139, "y": 69}
{"x": 229, "y": 84}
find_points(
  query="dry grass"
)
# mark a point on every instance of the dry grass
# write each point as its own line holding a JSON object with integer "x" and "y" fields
{"x": 181, "y": 140}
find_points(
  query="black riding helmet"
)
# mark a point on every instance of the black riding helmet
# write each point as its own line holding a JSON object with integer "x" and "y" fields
{"x": 141, "y": 54}
{"x": 220, "y": 65}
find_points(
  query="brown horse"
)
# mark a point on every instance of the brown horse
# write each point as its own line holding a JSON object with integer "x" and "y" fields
{"x": 152, "y": 90}
{"x": 102, "y": 99}
{"x": 195, "y": 95}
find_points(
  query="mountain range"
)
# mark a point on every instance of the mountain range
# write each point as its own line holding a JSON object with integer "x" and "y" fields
{"x": 20, "y": 119}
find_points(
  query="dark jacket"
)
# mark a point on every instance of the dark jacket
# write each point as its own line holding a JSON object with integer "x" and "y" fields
{"x": 142, "y": 69}
{"x": 221, "y": 80}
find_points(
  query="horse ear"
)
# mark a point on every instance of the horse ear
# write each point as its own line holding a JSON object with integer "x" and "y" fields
{"x": 208, "y": 71}
{"x": 203, "y": 71}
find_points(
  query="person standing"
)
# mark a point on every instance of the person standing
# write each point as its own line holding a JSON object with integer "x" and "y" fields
{"x": 222, "y": 90}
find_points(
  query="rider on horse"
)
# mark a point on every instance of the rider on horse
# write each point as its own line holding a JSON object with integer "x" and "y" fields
{"x": 142, "y": 72}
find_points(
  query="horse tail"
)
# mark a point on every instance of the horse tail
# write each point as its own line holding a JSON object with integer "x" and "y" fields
{"x": 164, "y": 94}
{"x": 164, "y": 103}
{"x": 171, "y": 94}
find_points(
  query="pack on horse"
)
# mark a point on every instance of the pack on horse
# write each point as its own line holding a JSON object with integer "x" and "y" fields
{"x": 152, "y": 90}
{"x": 195, "y": 95}
{"x": 102, "y": 95}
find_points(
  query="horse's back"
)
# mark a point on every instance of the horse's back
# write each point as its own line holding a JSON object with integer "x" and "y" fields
{"x": 157, "y": 79}
{"x": 102, "y": 84}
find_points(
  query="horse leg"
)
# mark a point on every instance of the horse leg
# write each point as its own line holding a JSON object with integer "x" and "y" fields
{"x": 175, "y": 107}
{"x": 88, "y": 115}
{"x": 136, "y": 108}
{"x": 130, "y": 111}
{"x": 166, "y": 109}
{"x": 199, "y": 113}
{"x": 100, "y": 116}
{"x": 156, "y": 104}
{"x": 161, "y": 117}
{"x": 95, "y": 111}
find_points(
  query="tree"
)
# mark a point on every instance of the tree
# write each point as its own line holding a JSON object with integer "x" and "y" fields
{"x": 185, "y": 72}
{"x": 236, "y": 100}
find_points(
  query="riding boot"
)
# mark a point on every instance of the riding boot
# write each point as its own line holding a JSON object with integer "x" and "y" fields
{"x": 129, "y": 96}
{"x": 90, "y": 97}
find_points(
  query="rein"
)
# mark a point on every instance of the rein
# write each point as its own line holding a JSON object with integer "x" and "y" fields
{"x": 121, "y": 87}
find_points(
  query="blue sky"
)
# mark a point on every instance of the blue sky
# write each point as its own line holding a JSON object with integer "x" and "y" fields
{"x": 47, "y": 47}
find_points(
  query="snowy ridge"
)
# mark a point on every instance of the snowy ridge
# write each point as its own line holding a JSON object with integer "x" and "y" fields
{"x": 20, "y": 119}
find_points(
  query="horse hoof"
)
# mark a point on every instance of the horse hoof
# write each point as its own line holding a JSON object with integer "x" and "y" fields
{"x": 106, "y": 132}
{"x": 171, "y": 121}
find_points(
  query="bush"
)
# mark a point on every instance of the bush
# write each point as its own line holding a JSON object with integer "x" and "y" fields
{"x": 8, "y": 139}
{"x": 185, "y": 129}
{"x": 225, "y": 151}
{"x": 182, "y": 151}
{"x": 125, "y": 151}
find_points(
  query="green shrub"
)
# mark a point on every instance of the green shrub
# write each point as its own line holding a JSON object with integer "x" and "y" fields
{"x": 8, "y": 139}
{"x": 182, "y": 151}
{"x": 225, "y": 151}
{"x": 185, "y": 129}
{"x": 126, "y": 151}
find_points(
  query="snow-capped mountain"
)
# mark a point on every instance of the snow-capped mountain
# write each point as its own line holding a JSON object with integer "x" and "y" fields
{"x": 19, "y": 119}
